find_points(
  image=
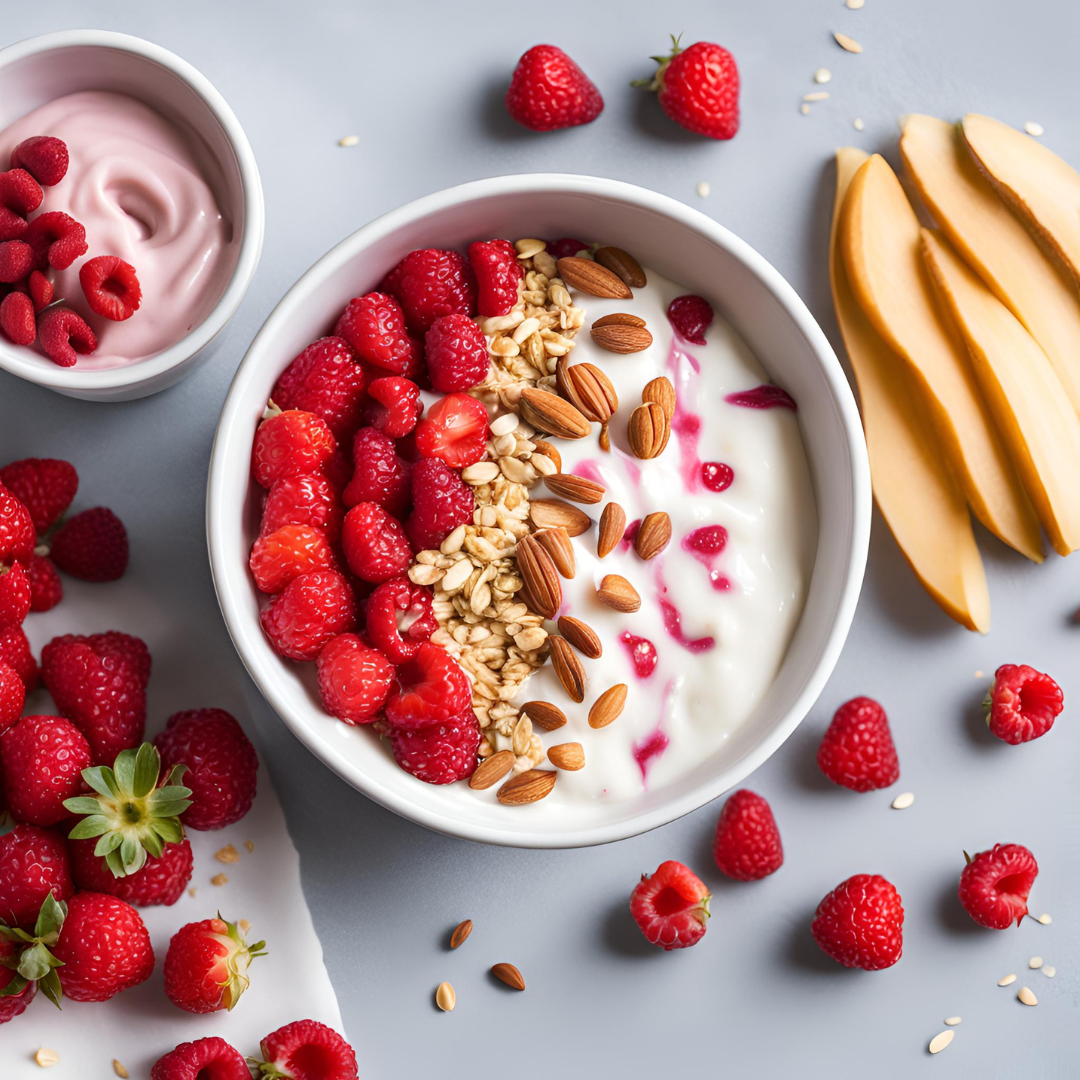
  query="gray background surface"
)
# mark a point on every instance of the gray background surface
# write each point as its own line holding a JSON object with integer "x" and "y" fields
{"x": 421, "y": 84}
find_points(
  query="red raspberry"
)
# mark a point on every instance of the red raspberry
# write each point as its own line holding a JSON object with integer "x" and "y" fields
{"x": 400, "y": 618}
{"x": 222, "y": 765}
{"x": 455, "y": 431}
{"x": 431, "y": 282}
{"x": 160, "y": 881}
{"x": 15, "y": 652}
{"x": 92, "y": 546}
{"x": 338, "y": 470}
{"x": 302, "y": 500}
{"x": 291, "y": 443}
{"x": 354, "y": 680}
{"x": 565, "y": 248}
{"x": 17, "y": 319}
{"x": 14, "y": 596}
{"x": 111, "y": 287}
{"x": 204, "y": 1059}
{"x": 12, "y": 1005}
{"x": 16, "y": 261}
{"x": 20, "y": 194}
{"x": 65, "y": 336}
{"x": 33, "y": 863}
{"x": 441, "y": 502}
{"x": 995, "y": 884}
{"x": 498, "y": 278}
{"x": 206, "y": 966}
{"x": 44, "y": 157}
{"x": 375, "y": 327}
{"x": 857, "y": 751}
{"x": 376, "y": 547}
{"x": 549, "y": 91}
{"x": 691, "y": 316}
{"x": 439, "y": 753}
{"x": 57, "y": 238}
{"x": 46, "y": 588}
{"x": 17, "y": 537}
{"x": 41, "y": 289}
{"x": 286, "y": 554}
{"x": 379, "y": 475}
{"x": 41, "y": 761}
{"x": 395, "y": 406}
{"x": 698, "y": 88}
{"x": 308, "y": 1050}
{"x": 457, "y": 355}
{"x": 861, "y": 923}
{"x": 1022, "y": 703}
{"x": 432, "y": 688}
{"x": 310, "y": 610}
{"x": 325, "y": 379}
{"x": 45, "y": 486}
{"x": 417, "y": 366}
{"x": 12, "y": 698}
{"x": 747, "y": 843}
{"x": 671, "y": 906}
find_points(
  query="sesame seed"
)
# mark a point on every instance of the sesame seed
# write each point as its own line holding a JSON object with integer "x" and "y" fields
{"x": 857, "y": 123}
{"x": 848, "y": 43}
{"x": 952, "y": 1021}
{"x": 250, "y": 845}
{"x": 817, "y": 95}
{"x": 1049, "y": 970}
{"x": 1044, "y": 919}
{"x": 855, "y": 4}
{"x": 348, "y": 140}
{"x": 1026, "y": 997}
{"x": 703, "y": 189}
{"x": 804, "y": 109}
{"x": 1008, "y": 980}
{"x": 902, "y": 802}
{"x": 1035, "y": 963}
{"x": 219, "y": 879}
{"x": 822, "y": 75}
{"x": 1033, "y": 129}
{"x": 940, "y": 1041}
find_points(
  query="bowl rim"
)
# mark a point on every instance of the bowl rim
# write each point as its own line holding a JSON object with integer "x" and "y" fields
{"x": 251, "y": 241}
{"x": 234, "y": 416}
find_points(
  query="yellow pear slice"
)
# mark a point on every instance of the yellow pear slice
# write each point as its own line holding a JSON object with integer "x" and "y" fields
{"x": 994, "y": 243}
{"x": 882, "y": 249}
{"x": 1033, "y": 413}
{"x": 915, "y": 492}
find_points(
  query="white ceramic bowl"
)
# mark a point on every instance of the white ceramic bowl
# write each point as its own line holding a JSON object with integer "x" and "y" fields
{"x": 40, "y": 69}
{"x": 677, "y": 242}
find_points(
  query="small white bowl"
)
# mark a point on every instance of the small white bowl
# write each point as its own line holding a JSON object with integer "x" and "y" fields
{"x": 679, "y": 243}
{"x": 41, "y": 69}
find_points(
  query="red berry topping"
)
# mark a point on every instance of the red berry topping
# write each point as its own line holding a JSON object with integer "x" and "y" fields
{"x": 160, "y": 881}
{"x": 857, "y": 751}
{"x": 111, "y": 287}
{"x": 706, "y": 540}
{"x": 33, "y": 863}
{"x": 41, "y": 760}
{"x": 41, "y": 289}
{"x": 861, "y": 923}
{"x": 12, "y": 698}
{"x": 441, "y": 502}
{"x": 14, "y": 1004}
{"x": 691, "y": 316}
{"x": 221, "y": 765}
{"x": 44, "y": 157}
{"x": 1022, "y": 703}
{"x": 308, "y": 1050}
{"x": 325, "y": 379}
{"x": 291, "y": 443}
{"x": 671, "y": 906}
{"x": 17, "y": 537}
{"x": 20, "y": 194}
{"x": 65, "y": 336}
{"x": 379, "y": 475}
{"x": 16, "y": 261}
{"x": 376, "y": 547}
{"x": 205, "y": 1059}
{"x": 92, "y": 546}
{"x": 439, "y": 753}
{"x": 747, "y": 843}
{"x": 46, "y": 588}
{"x": 643, "y": 653}
{"x": 302, "y": 500}
{"x": 354, "y": 680}
{"x": 717, "y": 476}
{"x": 549, "y": 91}
{"x": 457, "y": 356}
{"x": 14, "y": 596}
{"x": 429, "y": 283}
{"x": 432, "y": 688}
{"x": 57, "y": 238}
{"x": 286, "y": 554}
{"x": 498, "y": 279}
{"x": 45, "y": 486}
{"x": 395, "y": 406}
{"x": 17, "y": 319}
{"x": 994, "y": 885}
{"x": 375, "y": 327}
{"x": 698, "y": 88}
{"x": 399, "y": 619}
{"x": 455, "y": 431}
{"x": 206, "y": 967}
{"x": 765, "y": 396}
{"x": 15, "y": 652}
{"x": 565, "y": 248}
{"x": 308, "y": 612}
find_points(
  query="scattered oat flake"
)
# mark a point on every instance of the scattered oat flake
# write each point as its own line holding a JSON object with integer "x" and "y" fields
{"x": 46, "y": 1057}
{"x": 250, "y": 845}
{"x": 227, "y": 854}
{"x": 804, "y": 109}
{"x": 1044, "y": 919}
{"x": 118, "y": 1068}
{"x": 857, "y": 123}
{"x": 348, "y": 140}
{"x": 979, "y": 675}
{"x": 1035, "y": 963}
{"x": 192, "y": 891}
{"x": 940, "y": 1041}
{"x": 817, "y": 95}
{"x": 1049, "y": 970}
{"x": 219, "y": 879}
{"x": 244, "y": 925}
{"x": 848, "y": 43}
{"x": 822, "y": 75}
{"x": 1033, "y": 129}
{"x": 952, "y": 1021}
{"x": 1026, "y": 997}
{"x": 855, "y": 4}
{"x": 902, "y": 802}
{"x": 1008, "y": 980}
{"x": 703, "y": 189}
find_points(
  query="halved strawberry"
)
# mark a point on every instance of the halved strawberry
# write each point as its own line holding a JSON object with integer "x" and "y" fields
{"x": 455, "y": 431}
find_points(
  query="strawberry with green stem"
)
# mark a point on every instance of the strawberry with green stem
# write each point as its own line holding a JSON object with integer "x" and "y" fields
{"x": 34, "y": 962}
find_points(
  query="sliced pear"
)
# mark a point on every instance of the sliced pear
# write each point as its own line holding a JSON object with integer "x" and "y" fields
{"x": 881, "y": 245}
{"x": 1033, "y": 413}
{"x": 994, "y": 243}
{"x": 915, "y": 492}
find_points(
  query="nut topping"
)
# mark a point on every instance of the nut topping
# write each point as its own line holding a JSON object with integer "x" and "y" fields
{"x": 623, "y": 265}
{"x": 662, "y": 392}
{"x": 590, "y": 277}
{"x": 619, "y": 318}
{"x": 552, "y": 513}
{"x": 608, "y": 706}
{"x": 617, "y": 593}
{"x": 537, "y": 568}
{"x": 556, "y": 542}
{"x": 526, "y": 787}
{"x": 544, "y": 715}
{"x": 654, "y": 535}
{"x": 461, "y": 932}
{"x": 612, "y": 528}
{"x": 575, "y": 488}
{"x": 648, "y": 431}
{"x": 509, "y": 974}
{"x": 568, "y": 667}
{"x": 548, "y": 450}
{"x": 568, "y": 756}
{"x": 589, "y": 389}
{"x": 550, "y": 413}
{"x": 582, "y": 636}
{"x": 621, "y": 339}
{"x": 491, "y": 770}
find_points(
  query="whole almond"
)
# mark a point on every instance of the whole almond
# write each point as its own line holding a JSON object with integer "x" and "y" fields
{"x": 619, "y": 318}
{"x": 581, "y": 635}
{"x": 654, "y": 535}
{"x": 616, "y": 592}
{"x": 590, "y": 277}
{"x": 662, "y": 392}
{"x": 445, "y": 997}
{"x": 568, "y": 756}
{"x": 491, "y": 770}
{"x": 550, "y": 413}
{"x": 575, "y": 488}
{"x": 568, "y": 668}
{"x": 552, "y": 513}
{"x": 623, "y": 265}
{"x": 462, "y": 930}
{"x": 648, "y": 431}
{"x": 622, "y": 339}
{"x": 541, "y": 579}
{"x": 589, "y": 389}
{"x": 556, "y": 542}
{"x": 548, "y": 450}
{"x": 526, "y": 787}
{"x": 544, "y": 715}
{"x": 608, "y": 706}
{"x": 510, "y": 975}
{"x": 612, "y": 528}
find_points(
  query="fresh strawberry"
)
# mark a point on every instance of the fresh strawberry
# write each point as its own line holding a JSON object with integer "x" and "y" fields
{"x": 160, "y": 881}
{"x": 995, "y": 884}
{"x": 861, "y": 923}
{"x": 14, "y": 596}
{"x": 1022, "y": 703}
{"x": 325, "y": 379}
{"x": 302, "y": 500}
{"x": 441, "y": 502}
{"x": 394, "y": 406}
{"x": 56, "y": 237}
{"x": 306, "y": 1050}
{"x": 291, "y": 443}
{"x": 15, "y": 652}
{"x": 671, "y": 906}
{"x": 308, "y": 612}
{"x": 65, "y": 336}
{"x": 691, "y": 316}
{"x": 399, "y": 619}
{"x": 91, "y": 546}
{"x": 379, "y": 474}
{"x": 206, "y": 966}
{"x": 857, "y": 751}
{"x": 17, "y": 319}
{"x": 375, "y": 327}
{"x": 549, "y": 91}
{"x": 211, "y": 1058}
{"x": 439, "y": 753}
{"x": 286, "y": 554}
{"x": 33, "y": 863}
{"x": 45, "y": 486}
{"x": 12, "y": 696}
{"x": 747, "y": 842}
{"x": 457, "y": 354}
{"x": 354, "y": 680}
{"x": 17, "y": 536}
{"x": 41, "y": 762}
{"x": 498, "y": 279}
{"x": 44, "y": 157}
{"x": 222, "y": 765}
{"x": 698, "y": 88}
{"x": 13, "y": 999}
{"x": 429, "y": 283}
{"x": 455, "y": 431}
{"x": 111, "y": 287}
{"x": 432, "y": 688}
{"x": 46, "y": 588}
{"x": 376, "y": 547}
{"x": 20, "y": 195}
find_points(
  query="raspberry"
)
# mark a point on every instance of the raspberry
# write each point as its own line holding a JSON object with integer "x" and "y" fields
{"x": 429, "y": 283}
{"x": 457, "y": 356}
{"x": 57, "y": 238}
{"x": 441, "y": 502}
{"x": 15, "y": 652}
{"x": 691, "y": 316}
{"x": 498, "y": 278}
{"x": 994, "y": 885}
{"x": 325, "y": 379}
{"x": 379, "y": 475}
{"x": 439, "y": 753}
{"x": 1022, "y": 703}
{"x": 41, "y": 289}
{"x": 747, "y": 843}
{"x": 45, "y": 486}
{"x": 92, "y": 546}
{"x": 861, "y": 923}
{"x": 12, "y": 697}
{"x": 455, "y": 431}
{"x": 354, "y": 680}
{"x": 33, "y": 863}
{"x": 44, "y": 157}
{"x": 549, "y": 91}
{"x": 204, "y": 1059}
{"x": 65, "y": 336}
{"x": 432, "y": 688}
{"x": 14, "y": 596}
{"x": 565, "y": 248}
{"x": 302, "y": 500}
{"x": 395, "y": 406}
{"x": 671, "y": 906}
{"x": 291, "y": 443}
{"x": 111, "y": 287}
{"x": 17, "y": 538}
{"x": 159, "y": 881}
{"x": 376, "y": 547}
{"x": 206, "y": 967}
{"x": 308, "y": 1050}
{"x": 375, "y": 327}
{"x": 20, "y": 194}
{"x": 338, "y": 470}
{"x": 857, "y": 751}
{"x": 17, "y": 319}
{"x": 400, "y": 618}
{"x": 16, "y": 261}
{"x": 308, "y": 612}
{"x": 286, "y": 554}
{"x": 41, "y": 762}
{"x": 46, "y": 588}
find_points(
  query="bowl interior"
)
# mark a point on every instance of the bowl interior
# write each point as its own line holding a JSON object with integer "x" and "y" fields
{"x": 690, "y": 249}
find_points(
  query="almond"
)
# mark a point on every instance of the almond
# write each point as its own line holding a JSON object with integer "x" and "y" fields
{"x": 608, "y": 706}
{"x": 589, "y": 389}
{"x": 648, "y": 431}
{"x": 568, "y": 756}
{"x": 568, "y": 667}
{"x": 619, "y": 318}
{"x": 463, "y": 929}
{"x": 544, "y": 715}
{"x": 556, "y": 542}
{"x": 491, "y": 770}
{"x": 612, "y": 528}
{"x": 548, "y": 450}
{"x": 541, "y": 579}
{"x": 445, "y": 997}
{"x": 616, "y": 592}
{"x": 575, "y": 488}
{"x": 526, "y": 787}
{"x": 621, "y": 339}
{"x": 590, "y": 277}
{"x": 581, "y": 635}
{"x": 623, "y": 265}
{"x": 654, "y": 535}
{"x": 662, "y": 392}
{"x": 509, "y": 974}
{"x": 552, "y": 513}
{"x": 550, "y": 413}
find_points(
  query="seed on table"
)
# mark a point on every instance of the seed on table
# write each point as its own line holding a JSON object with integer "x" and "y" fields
{"x": 461, "y": 932}
{"x": 219, "y": 879}
{"x": 119, "y": 1069}
{"x": 1026, "y": 997}
{"x": 227, "y": 854}
{"x": 1008, "y": 980}
{"x": 1049, "y": 971}
{"x": 445, "y": 997}
{"x": 902, "y": 802}
{"x": 510, "y": 975}
{"x": 1035, "y": 963}
{"x": 940, "y": 1041}
{"x": 1044, "y": 919}
{"x": 952, "y": 1021}
{"x": 46, "y": 1057}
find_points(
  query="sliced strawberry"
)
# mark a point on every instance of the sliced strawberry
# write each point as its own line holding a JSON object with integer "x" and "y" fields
{"x": 455, "y": 431}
